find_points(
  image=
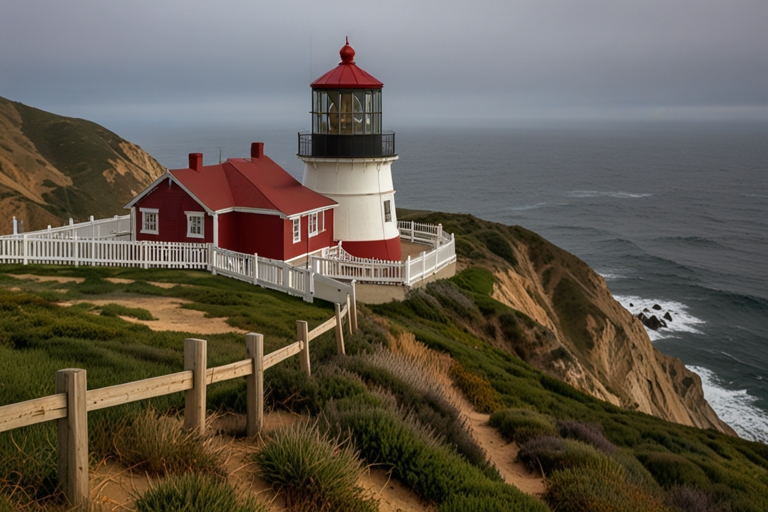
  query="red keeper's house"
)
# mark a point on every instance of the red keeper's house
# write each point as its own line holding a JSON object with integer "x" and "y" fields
{"x": 248, "y": 205}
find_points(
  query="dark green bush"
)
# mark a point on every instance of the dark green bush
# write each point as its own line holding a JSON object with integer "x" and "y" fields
{"x": 195, "y": 493}
{"x": 313, "y": 471}
{"x": 436, "y": 473}
{"x": 586, "y": 432}
{"x": 688, "y": 499}
{"x": 598, "y": 487}
{"x": 670, "y": 469}
{"x": 547, "y": 454}
{"x": 529, "y": 424}
{"x": 113, "y": 310}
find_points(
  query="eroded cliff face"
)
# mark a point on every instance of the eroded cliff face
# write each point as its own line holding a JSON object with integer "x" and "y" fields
{"x": 595, "y": 344}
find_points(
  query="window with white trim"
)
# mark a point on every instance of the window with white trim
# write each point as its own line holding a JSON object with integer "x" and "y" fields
{"x": 195, "y": 224}
{"x": 150, "y": 222}
{"x": 313, "y": 226}
{"x": 387, "y": 211}
{"x": 296, "y": 230}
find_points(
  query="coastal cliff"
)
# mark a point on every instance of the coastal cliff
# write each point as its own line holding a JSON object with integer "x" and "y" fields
{"x": 53, "y": 168}
{"x": 569, "y": 324}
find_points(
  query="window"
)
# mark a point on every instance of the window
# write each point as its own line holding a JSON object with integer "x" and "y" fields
{"x": 195, "y": 224}
{"x": 387, "y": 211}
{"x": 296, "y": 230}
{"x": 150, "y": 221}
{"x": 312, "y": 219}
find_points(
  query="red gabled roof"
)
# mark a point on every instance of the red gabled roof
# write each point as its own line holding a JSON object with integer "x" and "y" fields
{"x": 250, "y": 183}
{"x": 347, "y": 75}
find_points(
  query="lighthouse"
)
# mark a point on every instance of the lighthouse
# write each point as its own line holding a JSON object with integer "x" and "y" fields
{"x": 348, "y": 158}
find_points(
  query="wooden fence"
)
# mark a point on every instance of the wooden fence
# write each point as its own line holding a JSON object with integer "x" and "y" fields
{"x": 117, "y": 227}
{"x": 73, "y": 401}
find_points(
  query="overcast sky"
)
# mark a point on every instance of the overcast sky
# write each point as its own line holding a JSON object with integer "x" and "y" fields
{"x": 177, "y": 61}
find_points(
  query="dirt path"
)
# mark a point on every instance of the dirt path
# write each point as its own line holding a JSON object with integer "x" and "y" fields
{"x": 501, "y": 453}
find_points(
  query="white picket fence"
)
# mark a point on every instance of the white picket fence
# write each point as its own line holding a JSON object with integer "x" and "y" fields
{"x": 26, "y": 249}
{"x": 116, "y": 228}
{"x": 336, "y": 263}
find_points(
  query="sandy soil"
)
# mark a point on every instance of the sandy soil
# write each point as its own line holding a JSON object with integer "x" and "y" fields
{"x": 169, "y": 313}
{"x": 60, "y": 279}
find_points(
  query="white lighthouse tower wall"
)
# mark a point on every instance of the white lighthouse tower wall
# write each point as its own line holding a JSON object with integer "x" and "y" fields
{"x": 360, "y": 186}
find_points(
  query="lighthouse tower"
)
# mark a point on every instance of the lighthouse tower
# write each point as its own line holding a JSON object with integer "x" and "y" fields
{"x": 348, "y": 158}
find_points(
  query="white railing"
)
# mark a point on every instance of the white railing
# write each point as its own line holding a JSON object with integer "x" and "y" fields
{"x": 27, "y": 249}
{"x": 420, "y": 232}
{"x": 265, "y": 272}
{"x": 339, "y": 264}
{"x": 278, "y": 275}
{"x": 117, "y": 227}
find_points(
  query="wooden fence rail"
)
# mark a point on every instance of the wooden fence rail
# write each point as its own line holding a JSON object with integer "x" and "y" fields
{"x": 72, "y": 402}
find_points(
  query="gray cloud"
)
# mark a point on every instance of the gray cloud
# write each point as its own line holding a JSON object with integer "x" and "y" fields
{"x": 186, "y": 61}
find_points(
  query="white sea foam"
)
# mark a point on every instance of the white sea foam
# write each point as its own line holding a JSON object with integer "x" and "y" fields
{"x": 611, "y": 274}
{"x": 735, "y": 407}
{"x": 529, "y": 207}
{"x": 682, "y": 321}
{"x": 597, "y": 193}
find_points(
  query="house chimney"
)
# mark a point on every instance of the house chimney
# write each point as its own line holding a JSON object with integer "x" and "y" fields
{"x": 196, "y": 161}
{"x": 257, "y": 150}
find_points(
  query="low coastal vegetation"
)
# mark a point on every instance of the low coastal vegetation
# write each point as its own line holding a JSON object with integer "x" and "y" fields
{"x": 389, "y": 402}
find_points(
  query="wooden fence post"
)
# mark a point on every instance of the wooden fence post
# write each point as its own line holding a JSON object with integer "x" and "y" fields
{"x": 255, "y": 268}
{"x": 25, "y": 249}
{"x": 195, "y": 359}
{"x": 302, "y": 332}
{"x": 73, "y": 436}
{"x": 354, "y": 306}
{"x": 349, "y": 314}
{"x": 254, "y": 345}
{"x": 339, "y": 331}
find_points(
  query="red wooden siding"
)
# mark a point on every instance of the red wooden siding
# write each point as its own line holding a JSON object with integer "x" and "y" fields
{"x": 172, "y": 202}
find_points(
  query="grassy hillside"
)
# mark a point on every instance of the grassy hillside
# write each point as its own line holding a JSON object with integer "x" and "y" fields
{"x": 54, "y": 167}
{"x": 390, "y": 408}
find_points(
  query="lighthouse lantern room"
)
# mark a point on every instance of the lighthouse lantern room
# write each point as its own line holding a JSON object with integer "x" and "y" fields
{"x": 347, "y": 157}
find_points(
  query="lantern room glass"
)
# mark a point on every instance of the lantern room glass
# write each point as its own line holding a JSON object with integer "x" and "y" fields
{"x": 346, "y": 112}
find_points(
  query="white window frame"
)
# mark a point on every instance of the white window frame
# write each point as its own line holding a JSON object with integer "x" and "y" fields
{"x": 146, "y": 221}
{"x": 322, "y": 220}
{"x": 387, "y": 214}
{"x": 195, "y": 215}
{"x": 296, "y": 229}
{"x": 312, "y": 225}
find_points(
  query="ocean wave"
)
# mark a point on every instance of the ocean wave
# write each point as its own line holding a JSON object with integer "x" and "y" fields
{"x": 682, "y": 321}
{"x": 612, "y": 274}
{"x": 735, "y": 407}
{"x": 596, "y": 193}
{"x": 529, "y": 207}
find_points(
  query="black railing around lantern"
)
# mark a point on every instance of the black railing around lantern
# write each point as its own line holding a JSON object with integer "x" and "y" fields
{"x": 323, "y": 145}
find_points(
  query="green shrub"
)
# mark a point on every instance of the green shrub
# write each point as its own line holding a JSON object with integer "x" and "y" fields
{"x": 586, "y": 432}
{"x": 521, "y": 425}
{"x": 598, "y": 487}
{"x": 476, "y": 389}
{"x": 195, "y": 493}
{"x": 670, "y": 469}
{"x": 158, "y": 445}
{"x": 113, "y": 310}
{"x": 313, "y": 471}
{"x": 547, "y": 454}
{"x": 419, "y": 461}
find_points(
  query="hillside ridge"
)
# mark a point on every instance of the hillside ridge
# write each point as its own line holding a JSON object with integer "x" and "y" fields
{"x": 53, "y": 168}
{"x": 570, "y": 326}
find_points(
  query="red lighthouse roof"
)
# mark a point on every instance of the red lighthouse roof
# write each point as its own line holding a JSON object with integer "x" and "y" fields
{"x": 347, "y": 75}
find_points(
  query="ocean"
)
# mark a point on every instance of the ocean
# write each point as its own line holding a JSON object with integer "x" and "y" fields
{"x": 672, "y": 214}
